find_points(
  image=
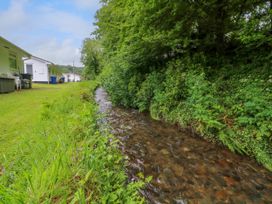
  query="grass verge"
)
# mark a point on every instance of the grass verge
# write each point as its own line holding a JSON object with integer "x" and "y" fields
{"x": 20, "y": 111}
{"x": 66, "y": 159}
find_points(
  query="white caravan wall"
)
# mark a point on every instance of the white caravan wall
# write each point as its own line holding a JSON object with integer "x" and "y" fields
{"x": 40, "y": 70}
{"x": 70, "y": 77}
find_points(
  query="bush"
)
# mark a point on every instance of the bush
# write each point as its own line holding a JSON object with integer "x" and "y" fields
{"x": 232, "y": 107}
{"x": 250, "y": 108}
{"x": 148, "y": 90}
{"x": 203, "y": 105}
{"x": 115, "y": 80}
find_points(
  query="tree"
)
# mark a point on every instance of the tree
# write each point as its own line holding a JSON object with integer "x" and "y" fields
{"x": 90, "y": 57}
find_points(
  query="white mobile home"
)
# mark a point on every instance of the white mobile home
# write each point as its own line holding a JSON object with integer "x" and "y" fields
{"x": 38, "y": 68}
{"x": 71, "y": 77}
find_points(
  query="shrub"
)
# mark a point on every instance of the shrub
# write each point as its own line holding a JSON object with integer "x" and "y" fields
{"x": 148, "y": 90}
{"x": 232, "y": 108}
{"x": 250, "y": 108}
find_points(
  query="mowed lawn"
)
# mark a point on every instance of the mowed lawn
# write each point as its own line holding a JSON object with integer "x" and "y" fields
{"x": 20, "y": 112}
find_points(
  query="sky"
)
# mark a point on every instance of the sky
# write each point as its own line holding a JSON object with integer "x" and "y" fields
{"x": 49, "y": 29}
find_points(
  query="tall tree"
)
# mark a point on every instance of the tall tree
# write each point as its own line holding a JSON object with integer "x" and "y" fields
{"x": 90, "y": 55}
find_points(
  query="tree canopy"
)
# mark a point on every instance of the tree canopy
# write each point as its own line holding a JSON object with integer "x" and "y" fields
{"x": 150, "y": 33}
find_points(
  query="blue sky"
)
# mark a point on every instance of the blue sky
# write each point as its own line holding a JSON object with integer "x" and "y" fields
{"x": 50, "y": 29}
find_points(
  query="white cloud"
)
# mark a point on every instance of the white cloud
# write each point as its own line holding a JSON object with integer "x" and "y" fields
{"x": 87, "y": 4}
{"x": 65, "y": 22}
{"x": 64, "y": 52}
{"x": 47, "y": 32}
{"x": 14, "y": 16}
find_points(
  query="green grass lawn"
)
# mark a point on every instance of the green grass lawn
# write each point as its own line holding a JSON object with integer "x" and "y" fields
{"x": 53, "y": 152}
{"x": 20, "y": 111}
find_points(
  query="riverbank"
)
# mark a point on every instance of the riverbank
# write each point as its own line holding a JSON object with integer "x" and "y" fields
{"x": 185, "y": 168}
{"x": 195, "y": 68}
{"x": 63, "y": 157}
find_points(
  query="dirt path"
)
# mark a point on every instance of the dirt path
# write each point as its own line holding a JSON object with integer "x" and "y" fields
{"x": 185, "y": 169}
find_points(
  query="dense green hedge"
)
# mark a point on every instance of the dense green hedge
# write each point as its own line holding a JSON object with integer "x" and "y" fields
{"x": 236, "y": 111}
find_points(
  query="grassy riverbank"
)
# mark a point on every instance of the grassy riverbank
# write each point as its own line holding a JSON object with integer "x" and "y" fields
{"x": 54, "y": 153}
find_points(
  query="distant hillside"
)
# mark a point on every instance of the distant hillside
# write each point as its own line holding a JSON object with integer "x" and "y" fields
{"x": 60, "y": 69}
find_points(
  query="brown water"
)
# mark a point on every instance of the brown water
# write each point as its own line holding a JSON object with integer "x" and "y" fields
{"x": 185, "y": 168}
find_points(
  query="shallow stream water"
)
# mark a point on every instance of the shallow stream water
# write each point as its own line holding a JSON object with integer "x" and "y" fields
{"x": 185, "y": 168}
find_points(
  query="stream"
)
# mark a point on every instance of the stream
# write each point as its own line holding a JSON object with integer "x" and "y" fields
{"x": 185, "y": 168}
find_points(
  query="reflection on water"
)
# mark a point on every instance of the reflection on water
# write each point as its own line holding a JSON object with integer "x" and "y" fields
{"x": 185, "y": 169}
